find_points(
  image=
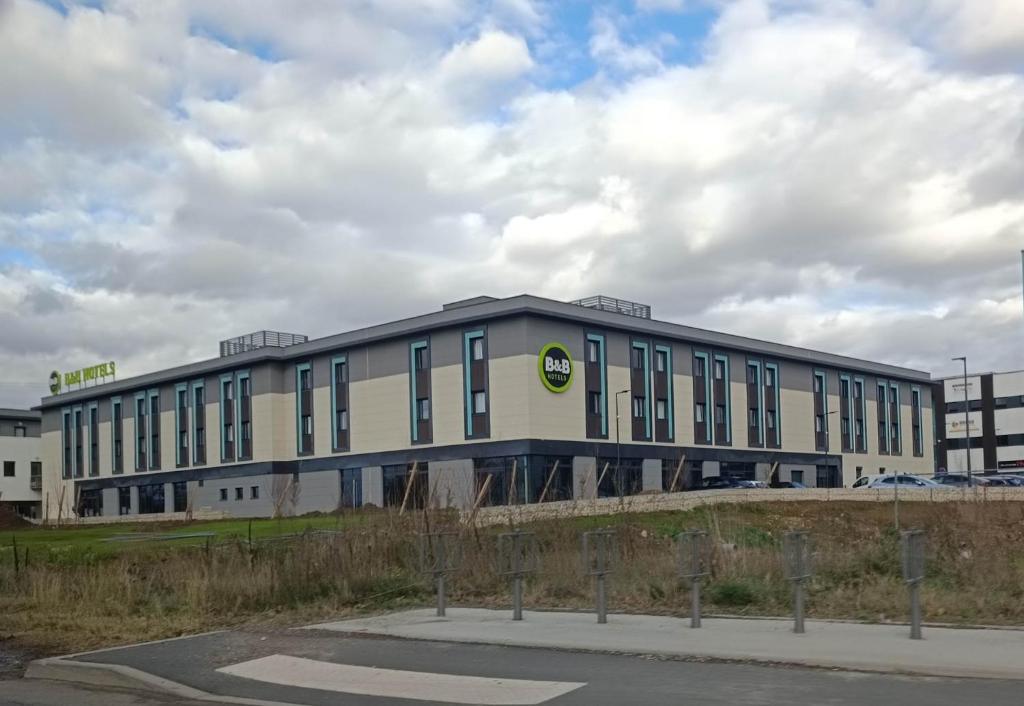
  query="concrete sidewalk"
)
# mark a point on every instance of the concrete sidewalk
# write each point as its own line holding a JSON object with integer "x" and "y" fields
{"x": 947, "y": 652}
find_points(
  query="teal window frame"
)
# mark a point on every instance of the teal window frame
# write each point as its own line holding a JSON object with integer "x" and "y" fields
{"x": 777, "y": 388}
{"x": 727, "y": 378}
{"x": 67, "y": 451}
{"x": 916, "y": 404}
{"x": 467, "y": 363}
{"x": 194, "y": 447}
{"x": 667, "y": 350}
{"x": 115, "y": 403}
{"x": 852, "y": 427}
{"x": 154, "y": 392}
{"x": 178, "y": 389}
{"x": 335, "y": 362}
{"x": 90, "y": 471}
{"x": 135, "y": 428}
{"x": 299, "y": 369}
{"x": 863, "y": 413}
{"x": 762, "y": 436}
{"x": 820, "y": 374}
{"x": 79, "y": 413}
{"x": 647, "y": 386}
{"x": 225, "y": 378}
{"x": 883, "y": 387}
{"x": 239, "y": 376}
{"x": 709, "y": 401}
{"x": 600, "y": 341}
{"x": 414, "y": 411}
{"x": 895, "y": 387}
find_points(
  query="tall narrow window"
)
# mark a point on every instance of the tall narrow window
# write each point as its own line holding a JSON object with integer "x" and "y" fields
{"x": 304, "y": 408}
{"x": 140, "y": 432}
{"x": 772, "y": 406}
{"x": 116, "y": 436}
{"x": 94, "y": 439}
{"x": 860, "y": 414}
{"x": 820, "y": 411}
{"x": 477, "y": 391}
{"x": 664, "y": 394}
{"x": 640, "y": 386}
{"x": 339, "y": 404}
{"x": 703, "y": 429}
{"x": 596, "y": 377}
{"x": 846, "y": 414}
{"x": 916, "y": 422}
{"x": 154, "y": 429}
{"x": 421, "y": 428}
{"x": 895, "y": 420}
{"x": 883, "y": 417}
{"x": 227, "y": 418}
{"x": 244, "y": 407}
{"x": 722, "y": 395}
{"x": 79, "y": 444}
{"x": 181, "y": 424}
{"x": 198, "y": 422}
{"x": 67, "y": 463}
{"x": 755, "y": 404}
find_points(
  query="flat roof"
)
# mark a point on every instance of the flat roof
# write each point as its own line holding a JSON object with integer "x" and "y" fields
{"x": 488, "y": 308}
{"x": 28, "y": 415}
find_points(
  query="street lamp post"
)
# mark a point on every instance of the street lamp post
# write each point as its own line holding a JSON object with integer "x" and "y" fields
{"x": 618, "y": 443}
{"x": 967, "y": 420}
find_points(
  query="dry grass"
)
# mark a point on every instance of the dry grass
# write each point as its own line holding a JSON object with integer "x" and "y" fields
{"x": 975, "y": 572}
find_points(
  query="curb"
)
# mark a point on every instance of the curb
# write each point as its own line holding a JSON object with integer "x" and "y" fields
{"x": 119, "y": 676}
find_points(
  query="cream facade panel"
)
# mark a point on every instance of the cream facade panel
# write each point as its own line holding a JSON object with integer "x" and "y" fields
{"x": 264, "y": 427}
{"x": 797, "y": 420}
{"x": 447, "y": 405}
{"x": 1009, "y": 421}
{"x": 517, "y": 407}
{"x": 954, "y": 388}
{"x": 212, "y": 433}
{"x": 323, "y": 431}
{"x": 380, "y": 414}
{"x": 282, "y": 425}
{"x": 618, "y": 380}
{"x": 168, "y": 455}
{"x": 1008, "y": 384}
{"x": 683, "y": 403}
{"x": 105, "y": 449}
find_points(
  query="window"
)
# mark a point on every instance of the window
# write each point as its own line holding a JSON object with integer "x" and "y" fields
{"x": 154, "y": 430}
{"x": 661, "y": 361}
{"x": 719, "y": 414}
{"x": 858, "y": 390}
{"x": 769, "y": 377}
{"x": 151, "y": 499}
{"x": 8, "y": 469}
{"x": 254, "y": 492}
{"x": 638, "y": 407}
{"x": 860, "y": 471}
{"x": 244, "y": 390}
{"x": 342, "y": 420}
{"x": 228, "y": 392}
{"x": 751, "y": 374}
{"x": 246, "y": 431}
{"x": 423, "y": 408}
{"x": 593, "y": 352}
{"x": 796, "y": 476}
{"x": 636, "y": 358}
{"x": 116, "y": 434}
{"x": 769, "y": 418}
{"x": 817, "y": 384}
{"x": 844, "y": 387}
{"x": 223, "y": 495}
{"x": 182, "y": 398}
{"x": 698, "y": 412}
{"x": 307, "y": 424}
{"x": 19, "y": 431}
{"x": 478, "y": 348}
{"x": 698, "y": 367}
{"x": 180, "y": 496}
{"x": 661, "y": 408}
{"x": 846, "y": 426}
{"x": 35, "y": 470}
{"x": 420, "y": 358}
{"x": 124, "y": 501}
{"x": 753, "y": 420}
{"x": 719, "y": 370}
{"x": 239, "y": 495}
{"x": 305, "y": 379}
{"x": 819, "y": 423}
{"x": 594, "y": 403}
{"x": 859, "y": 427}
{"x": 341, "y": 371}
{"x": 479, "y": 402}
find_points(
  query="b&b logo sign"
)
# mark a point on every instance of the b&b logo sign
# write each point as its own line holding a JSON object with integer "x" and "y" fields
{"x": 555, "y": 366}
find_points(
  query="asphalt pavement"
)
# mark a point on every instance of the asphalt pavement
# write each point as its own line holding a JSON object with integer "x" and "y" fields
{"x": 320, "y": 668}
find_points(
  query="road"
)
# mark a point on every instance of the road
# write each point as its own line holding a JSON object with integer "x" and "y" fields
{"x": 322, "y": 669}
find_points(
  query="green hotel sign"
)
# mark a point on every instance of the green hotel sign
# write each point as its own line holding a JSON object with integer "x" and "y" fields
{"x": 555, "y": 367}
{"x": 93, "y": 373}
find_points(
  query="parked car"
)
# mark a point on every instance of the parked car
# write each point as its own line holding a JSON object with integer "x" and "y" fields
{"x": 788, "y": 484}
{"x": 954, "y": 480}
{"x": 719, "y": 483}
{"x": 888, "y": 481}
{"x": 752, "y": 484}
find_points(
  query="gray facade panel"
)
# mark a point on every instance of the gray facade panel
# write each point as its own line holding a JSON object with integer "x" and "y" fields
{"x": 796, "y": 376}
{"x": 651, "y": 470}
{"x": 110, "y": 504}
{"x": 266, "y": 378}
{"x": 318, "y": 492}
{"x": 452, "y": 483}
{"x": 445, "y": 347}
{"x": 539, "y": 332}
{"x": 617, "y": 349}
{"x": 584, "y": 477}
{"x": 373, "y": 486}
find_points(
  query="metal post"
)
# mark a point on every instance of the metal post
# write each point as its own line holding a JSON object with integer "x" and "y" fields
{"x": 602, "y": 601}
{"x": 912, "y": 551}
{"x": 440, "y": 595}
{"x": 517, "y": 598}
{"x": 798, "y": 606}
{"x": 797, "y": 562}
{"x": 618, "y": 443}
{"x": 596, "y": 563}
{"x": 695, "y": 602}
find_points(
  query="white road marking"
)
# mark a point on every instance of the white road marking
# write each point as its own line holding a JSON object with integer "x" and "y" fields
{"x": 399, "y": 684}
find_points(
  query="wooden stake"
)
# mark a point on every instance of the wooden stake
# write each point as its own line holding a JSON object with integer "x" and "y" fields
{"x": 408, "y": 486}
{"x": 547, "y": 483}
{"x": 512, "y": 485}
{"x": 675, "y": 478}
{"x": 601, "y": 477}
{"x": 480, "y": 497}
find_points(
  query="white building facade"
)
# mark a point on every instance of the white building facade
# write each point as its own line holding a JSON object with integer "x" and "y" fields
{"x": 20, "y": 461}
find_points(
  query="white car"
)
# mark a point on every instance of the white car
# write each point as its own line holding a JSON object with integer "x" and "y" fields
{"x": 888, "y": 481}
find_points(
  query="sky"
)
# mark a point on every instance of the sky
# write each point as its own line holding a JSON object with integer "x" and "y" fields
{"x": 844, "y": 175}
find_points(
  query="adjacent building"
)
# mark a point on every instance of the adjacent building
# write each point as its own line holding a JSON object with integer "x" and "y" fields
{"x": 488, "y": 400}
{"x": 21, "y": 463}
{"x": 989, "y": 418}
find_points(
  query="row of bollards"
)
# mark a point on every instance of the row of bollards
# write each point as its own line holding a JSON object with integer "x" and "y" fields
{"x": 518, "y": 557}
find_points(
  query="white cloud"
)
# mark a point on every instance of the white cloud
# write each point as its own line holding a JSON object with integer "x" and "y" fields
{"x": 178, "y": 173}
